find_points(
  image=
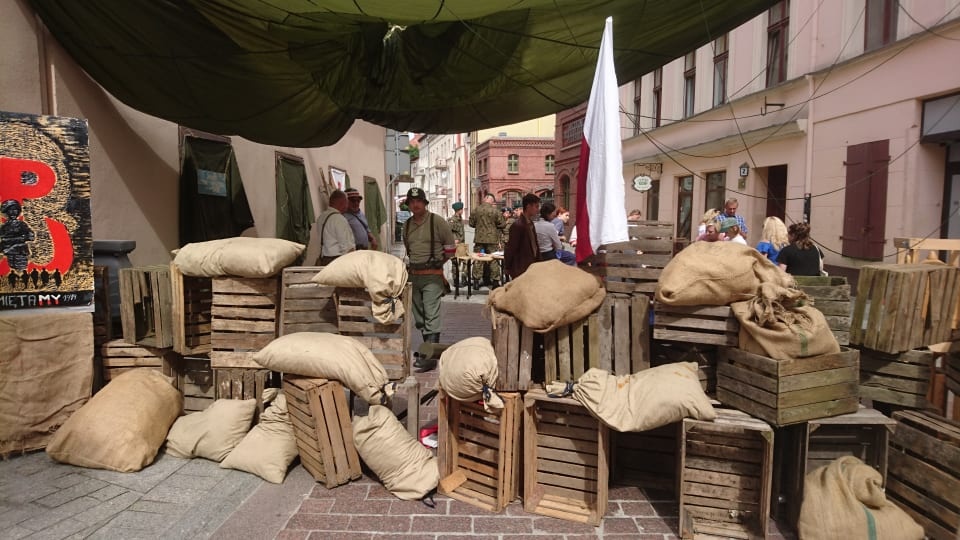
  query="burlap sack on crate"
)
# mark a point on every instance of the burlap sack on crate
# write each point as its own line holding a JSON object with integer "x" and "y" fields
{"x": 241, "y": 256}
{"x": 845, "y": 499}
{"x": 213, "y": 432}
{"x": 468, "y": 371}
{"x": 716, "y": 274}
{"x": 329, "y": 356}
{"x": 383, "y": 275}
{"x": 549, "y": 295}
{"x": 644, "y": 400}
{"x": 406, "y": 468}
{"x": 779, "y": 323}
{"x": 46, "y": 373}
{"x": 122, "y": 427}
{"x": 270, "y": 447}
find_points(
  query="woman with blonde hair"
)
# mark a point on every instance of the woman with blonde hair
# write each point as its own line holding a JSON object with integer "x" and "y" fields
{"x": 773, "y": 238}
{"x": 710, "y": 216}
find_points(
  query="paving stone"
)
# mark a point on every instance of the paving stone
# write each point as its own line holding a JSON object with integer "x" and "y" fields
{"x": 173, "y": 494}
{"x": 69, "y": 480}
{"x": 292, "y": 535}
{"x": 25, "y": 491}
{"x": 657, "y": 525}
{"x": 637, "y": 509}
{"x": 391, "y": 524}
{"x": 319, "y": 522}
{"x": 85, "y": 487}
{"x": 347, "y": 506}
{"x": 348, "y": 491}
{"x": 560, "y": 526}
{"x": 160, "y": 507}
{"x": 462, "y": 508}
{"x": 110, "y": 491}
{"x": 14, "y": 532}
{"x": 107, "y": 509}
{"x": 60, "y": 530}
{"x": 181, "y": 479}
{"x": 202, "y": 520}
{"x": 620, "y": 525}
{"x": 392, "y": 536}
{"x": 316, "y": 506}
{"x": 666, "y": 508}
{"x": 441, "y": 524}
{"x": 55, "y": 515}
{"x": 505, "y": 524}
{"x": 115, "y": 532}
{"x": 412, "y": 508}
{"x": 18, "y": 513}
{"x": 340, "y": 535}
{"x": 203, "y": 467}
{"x": 131, "y": 519}
{"x": 462, "y": 537}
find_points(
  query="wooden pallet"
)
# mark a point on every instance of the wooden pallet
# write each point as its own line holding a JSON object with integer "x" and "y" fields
{"x": 952, "y": 371}
{"x": 390, "y": 343}
{"x": 786, "y": 392}
{"x": 192, "y": 304}
{"x": 479, "y": 451}
{"x": 102, "y": 321}
{"x": 244, "y": 319}
{"x": 910, "y": 251}
{"x": 726, "y": 469}
{"x": 321, "y": 422}
{"x": 244, "y": 383}
{"x": 899, "y": 379}
{"x": 864, "y": 434}
{"x": 669, "y": 352}
{"x": 565, "y": 459}
{"x": 195, "y": 381}
{"x": 635, "y": 266}
{"x": 146, "y": 306}
{"x": 305, "y": 306}
{"x": 924, "y": 473}
{"x": 831, "y": 296}
{"x": 119, "y": 356}
{"x": 910, "y": 306}
{"x": 709, "y": 325}
{"x": 646, "y": 459}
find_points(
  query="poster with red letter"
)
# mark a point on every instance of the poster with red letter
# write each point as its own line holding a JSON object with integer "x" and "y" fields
{"x": 46, "y": 239}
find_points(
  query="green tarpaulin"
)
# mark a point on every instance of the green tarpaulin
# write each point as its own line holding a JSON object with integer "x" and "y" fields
{"x": 298, "y": 72}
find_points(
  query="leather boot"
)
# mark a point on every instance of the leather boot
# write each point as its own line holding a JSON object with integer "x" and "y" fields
{"x": 434, "y": 338}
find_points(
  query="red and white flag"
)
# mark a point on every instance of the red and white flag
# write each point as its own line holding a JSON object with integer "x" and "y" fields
{"x": 601, "y": 218}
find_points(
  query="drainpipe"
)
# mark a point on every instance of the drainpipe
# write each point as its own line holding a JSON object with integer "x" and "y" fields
{"x": 808, "y": 173}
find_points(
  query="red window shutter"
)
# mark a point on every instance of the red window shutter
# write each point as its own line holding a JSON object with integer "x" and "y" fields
{"x": 865, "y": 204}
{"x": 878, "y": 159}
{"x": 854, "y": 209}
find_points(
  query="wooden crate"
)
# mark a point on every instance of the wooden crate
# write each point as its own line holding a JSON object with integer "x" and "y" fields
{"x": 910, "y": 250}
{"x": 146, "y": 306}
{"x": 709, "y": 325}
{"x": 244, "y": 319}
{"x": 864, "y": 434}
{"x": 786, "y": 392}
{"x": 668, "y": 352}
{"x": 515, "y": 346}
{"x": 615, "y": 337}
{"x": 192, "y": 304}
{"x": 635, "y": 266}
{"x": 726, "y": 469}
{"x": 646, "y": 459}
{"x": 102, "y": 321}
{"x": 390, "y": 343}
{"x": 899, "y": 379}
{"x": 195, "y": 381}
{"x": 910, "y": 306}
{"x": 306, "y": 306}
{"x": 831, "y": 296}
{"x": 952, "y": 369}
{"x": 924, "y": 473}
{"x": 244, "y": 383}
{"x": 120, "y": 356}
{"x": 321, "y": 422}
{"x": 481, "y": 450}
{"x": 565, "y": 459}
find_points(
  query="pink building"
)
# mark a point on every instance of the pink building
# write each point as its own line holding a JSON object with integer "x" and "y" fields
{"x": 845, "y": 114}
{"x": 510, "y": 167}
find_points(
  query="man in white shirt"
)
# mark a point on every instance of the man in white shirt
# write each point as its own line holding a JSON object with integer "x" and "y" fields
{"x": 362, "y": 236}
{"x": 332, "y": 235}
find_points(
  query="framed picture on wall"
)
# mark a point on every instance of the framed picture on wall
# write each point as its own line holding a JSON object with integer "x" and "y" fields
{"x": 46, "y": 237}
{"x": 339, "y": 177}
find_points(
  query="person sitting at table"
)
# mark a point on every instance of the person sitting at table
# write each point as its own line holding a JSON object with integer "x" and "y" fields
{"x": 548, "y": 241}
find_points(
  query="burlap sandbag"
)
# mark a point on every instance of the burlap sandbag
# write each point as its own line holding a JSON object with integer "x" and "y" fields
{"x": 644, "y": 400}
{"x": 716, "y": 274}
{"x": 213, "y": 432}
{"x": 406, "y": 468}
{"x": 549, "y": 295}
{"x": 779, "y": 323}
{"x": 46, "y": 373}
{"x": 845, "y": 500}
{"x": 329, "y": 356}
{"x": 468, "y": 371}
{"x": 382, "y": 274}
{"x": 122, "y": 427}
{"x": 269, "y": 448}
{"x": 241, "y": 256}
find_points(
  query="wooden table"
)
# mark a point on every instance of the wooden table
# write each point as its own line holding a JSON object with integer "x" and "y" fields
{"x": 469, "y": 260}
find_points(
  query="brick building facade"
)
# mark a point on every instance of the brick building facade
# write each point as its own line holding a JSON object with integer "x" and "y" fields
{"x": 569, "y": 135}
{"x": 510, "y": 167}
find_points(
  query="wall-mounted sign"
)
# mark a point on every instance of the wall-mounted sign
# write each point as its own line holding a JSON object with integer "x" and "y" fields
{"x": 642, "y": 182}
{"x": 653, "y": 170}
{"x": 46, "y": 239}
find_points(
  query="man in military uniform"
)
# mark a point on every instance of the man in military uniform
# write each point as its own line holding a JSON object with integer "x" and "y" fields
{"x": 456, "y": 222}
{"x": 508, "y": 220}
{"x": 429, "y": 243}
{"x": 456, "y": 226}
{"x": 488, "y": 227}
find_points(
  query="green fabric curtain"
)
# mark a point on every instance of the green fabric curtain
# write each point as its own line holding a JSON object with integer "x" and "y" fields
{"x": 298, "y": 72}
{"x": 373, "y": 205}
{"x": 294, "y": 206}
{"x": 213, "y": 203}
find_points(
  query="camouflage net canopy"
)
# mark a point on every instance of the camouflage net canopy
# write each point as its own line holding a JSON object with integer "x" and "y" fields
{"x": 298, "y": 72}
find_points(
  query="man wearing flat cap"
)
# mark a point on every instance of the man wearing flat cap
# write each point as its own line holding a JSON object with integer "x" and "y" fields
{"x": 429, "y": 243}
{"x": 358, "y": 222}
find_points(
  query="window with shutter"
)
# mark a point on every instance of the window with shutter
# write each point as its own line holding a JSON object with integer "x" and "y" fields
{"x": 865, "y": 200}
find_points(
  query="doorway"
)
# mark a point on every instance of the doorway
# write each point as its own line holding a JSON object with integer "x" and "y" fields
{"x": 777, "y": 191}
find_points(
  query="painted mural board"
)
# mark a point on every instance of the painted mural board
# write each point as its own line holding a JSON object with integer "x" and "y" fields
{"x": 46, "y": 238}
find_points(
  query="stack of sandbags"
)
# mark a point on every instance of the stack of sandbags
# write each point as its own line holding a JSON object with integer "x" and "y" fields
{"x": 240, "y": 256}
